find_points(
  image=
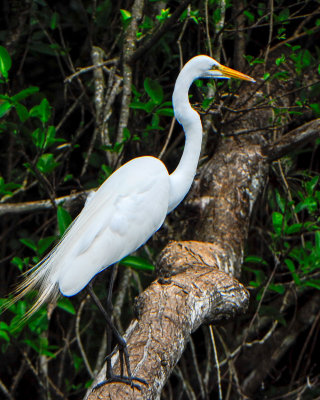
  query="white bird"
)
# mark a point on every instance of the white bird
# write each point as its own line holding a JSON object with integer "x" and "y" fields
{"x": 129, "y": 207}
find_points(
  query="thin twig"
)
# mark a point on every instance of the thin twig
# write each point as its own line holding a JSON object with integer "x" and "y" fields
{"x": 78, "y": 336}
{"x": 196, "y": 367}
{"x": 164, "y": 148}
{"x": 84, "y": 70}
{"x": 216, "y": 360}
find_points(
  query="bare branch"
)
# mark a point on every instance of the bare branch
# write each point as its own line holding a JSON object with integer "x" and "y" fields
{"x": 32, "y": 206}
{"x": 128, "y": 50}
{"x": 292, "y": 140}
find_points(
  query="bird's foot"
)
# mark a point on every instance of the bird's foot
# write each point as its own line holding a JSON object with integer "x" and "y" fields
{"x": 124, "y": 360}
{"x": 122, "y": 379}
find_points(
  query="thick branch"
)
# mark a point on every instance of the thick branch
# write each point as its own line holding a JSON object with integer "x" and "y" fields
{"x": 169, "y": 310}
{"x": 128, "y": 50}
{"x": 292, "y": 140}
{"x": 223, "y": 197}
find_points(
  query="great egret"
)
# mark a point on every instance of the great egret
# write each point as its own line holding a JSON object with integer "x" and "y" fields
{"x": 130, "y": 206}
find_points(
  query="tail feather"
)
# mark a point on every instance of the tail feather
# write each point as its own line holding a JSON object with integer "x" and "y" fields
{"x": 38, "y": 277}
{"x": 43, "y": 276}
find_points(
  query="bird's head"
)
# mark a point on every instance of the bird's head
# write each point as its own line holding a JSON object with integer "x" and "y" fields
{"x": 207, "y": 67}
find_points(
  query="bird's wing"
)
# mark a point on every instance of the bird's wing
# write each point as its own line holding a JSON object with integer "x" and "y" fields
{"x": 121, "y": 216}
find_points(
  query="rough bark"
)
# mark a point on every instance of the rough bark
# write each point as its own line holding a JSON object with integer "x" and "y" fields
{"x": 169, "y": 310}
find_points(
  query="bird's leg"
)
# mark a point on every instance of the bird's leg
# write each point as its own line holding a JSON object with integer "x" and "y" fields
{"x": 113, "y": 274}
{"x": 109, "y": 306}
{"x": 123, "y": 350}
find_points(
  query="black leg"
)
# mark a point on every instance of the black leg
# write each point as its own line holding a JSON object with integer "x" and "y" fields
{"x": 113, "y": 274}
{"x": 109, "y": 306}
{"x": 122, "y": 345}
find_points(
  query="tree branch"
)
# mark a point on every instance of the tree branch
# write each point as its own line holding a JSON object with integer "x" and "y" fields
{"x": 128, "y": 49}
{"x": 159, "y": 33}
{"x": 32, "y": 206}
{"x": 292, "y": 140}
{"x": 169, "y": 310}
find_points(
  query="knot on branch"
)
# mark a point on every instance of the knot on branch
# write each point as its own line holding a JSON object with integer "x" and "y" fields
{"x": 192, "y": 282}
{"x": 177, "y": 257}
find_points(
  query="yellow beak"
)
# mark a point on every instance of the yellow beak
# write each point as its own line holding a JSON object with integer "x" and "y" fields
{"x": 232, "y": 73}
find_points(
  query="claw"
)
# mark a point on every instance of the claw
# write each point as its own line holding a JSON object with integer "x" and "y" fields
{"x": 122, "y": 379}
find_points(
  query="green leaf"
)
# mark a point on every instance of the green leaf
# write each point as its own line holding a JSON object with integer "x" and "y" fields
{"x": 281, "y": 202}
{"x": 126, "y": 134}
{"x": 150, "y": 105}
{"x": 138, "y": 105}
{"x": 294, "y": 228}
{"x": 54, "y": 20}
{"x": 249, "y": 15}
{"x": 22, "y": 112}
{"x": 125, "y": 14}
{"x": 44, "y": 138}
{"x": 155, "y": 121}
{"x": 309, "y": 203}
{"x": 284, "y": 14}
{"x": 292, "y": 269}
{"x": 29, "y": 243}
{"x": 65, "y": 304}
{"x": 154, "y": 90}
{"x": 45, "y": 243}
{"x": 168, "y": 112}
{"x": 38, "y": 137}
{"x": 64, "y": 219}
{"x": 7, "y": 188}
{"x": 5, "y": 107}
{"x": 255, "y": 260}
{"x": 278, "y": 288}
{"x": 41, "y": 346}
{"x": 314, "y": 283}
{"x": 280, "y": 60}
{"x": 317, "y": 243}
{"x": 5, "y": 62}
{"x": 46, "y": 163}
{"x": 310, "y": 185}
{"x": 50, "y": 136}
{"x": 20, "y": 263}
{"x": 137, "y": 263}
{"x": 41, "y": 111}
{"x": 259, "y": 275}
{"x": 164, "y": 14}
{"x": 4, "y": 335}
{"x": 125, "y": 17}
{"x": 277, "y": 221}
{"x": 315, "y": 107}
{"x": 25, "y": 93}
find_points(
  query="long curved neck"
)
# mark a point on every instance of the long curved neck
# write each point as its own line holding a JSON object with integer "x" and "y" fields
{"x": 182, "y": 177}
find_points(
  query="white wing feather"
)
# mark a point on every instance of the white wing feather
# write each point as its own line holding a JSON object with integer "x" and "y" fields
{"x": 119, "y": 217}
